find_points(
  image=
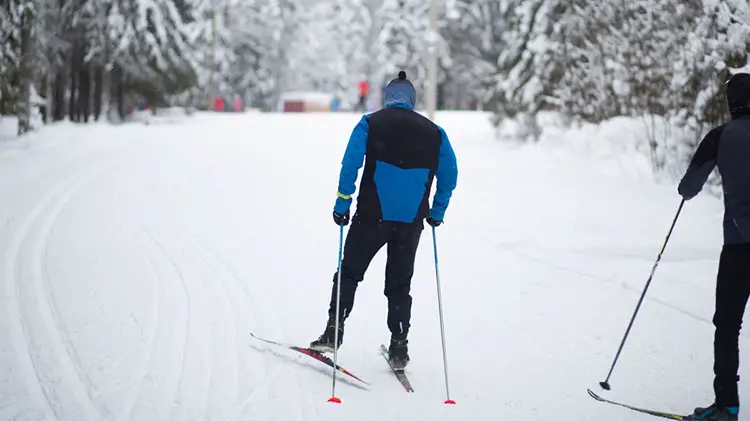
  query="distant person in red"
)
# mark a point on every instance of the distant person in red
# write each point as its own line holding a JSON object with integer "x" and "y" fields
{"x": 364, "y": 91}
{"x": 219, "y": 104}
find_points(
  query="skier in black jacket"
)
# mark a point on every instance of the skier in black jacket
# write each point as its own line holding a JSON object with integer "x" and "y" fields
{"x": 728, "y": 147}
{"x": 404, "y": 152}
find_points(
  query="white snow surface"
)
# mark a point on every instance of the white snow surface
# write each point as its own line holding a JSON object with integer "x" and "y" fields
{"x": 135, "y": 261}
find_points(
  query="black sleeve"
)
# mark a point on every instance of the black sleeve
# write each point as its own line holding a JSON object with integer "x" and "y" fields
{"x": 702, "y": 164}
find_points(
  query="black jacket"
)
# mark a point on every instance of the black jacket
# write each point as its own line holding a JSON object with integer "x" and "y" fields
{"x": 727, "y": 146}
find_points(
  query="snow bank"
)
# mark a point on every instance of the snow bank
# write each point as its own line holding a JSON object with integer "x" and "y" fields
{"x": 8, "y": 127}
{"x": 647, "y": 148}
{"x": 162, "y": 115}
{"x": 165, "y": 115}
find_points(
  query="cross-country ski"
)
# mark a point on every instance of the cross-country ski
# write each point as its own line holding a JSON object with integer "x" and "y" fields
{"x": 398, "y": 372}
{"x": 313, "y": 354}
{"x": 659, "y": 414}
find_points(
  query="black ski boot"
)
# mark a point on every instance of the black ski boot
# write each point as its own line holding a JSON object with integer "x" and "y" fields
{"x": 325, "y": 342}
{"x": 398, "y": 353}
{"x": 714, "y": 413}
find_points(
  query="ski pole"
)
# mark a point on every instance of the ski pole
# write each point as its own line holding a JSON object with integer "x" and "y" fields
{"x": 605, "y": 384}
{"x": 333, "y": 398}
{"x": 448, "y": 400}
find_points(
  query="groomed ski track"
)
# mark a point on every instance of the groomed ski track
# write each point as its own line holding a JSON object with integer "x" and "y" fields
{"x": 137, "y": 259}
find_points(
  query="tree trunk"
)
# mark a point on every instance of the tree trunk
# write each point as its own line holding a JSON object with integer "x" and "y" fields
{"x": 91, "y": 69}
{"x": 105, "y": 72}
{"x": 49, "y": 89}
{"x": 107, "y": 92}
{"x": 84, "y": 97}
{"x": 98, "y": 92}
{"x": 73, "y": 103}
{"x": 59, "y": 95}
{"x": 120, "y": 100}
{"x": 23, "y": 111}
{"x": 113, "y": 101}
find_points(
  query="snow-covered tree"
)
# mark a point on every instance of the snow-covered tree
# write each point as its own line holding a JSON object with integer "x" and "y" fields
{"x": 337, "y": 46}
{"x": 717, "y": 46}
{"x": 17, "y": 71}
{"x": 156, "y": 52}
{"x": 473, "y": 33}
{"x": 502, "y": 53}
{"x": 9, "y": 56}
{"x": 25, "y": 67}
{"x": 242, "y": 47}
{"x": 618, "y": 56}
{"x": 653, "y": 58}
{"x": 404, "y": 36}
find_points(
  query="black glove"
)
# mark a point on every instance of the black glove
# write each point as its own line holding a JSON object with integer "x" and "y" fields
{"x": 433, "y": 223}
{"x": 341, "y": 219}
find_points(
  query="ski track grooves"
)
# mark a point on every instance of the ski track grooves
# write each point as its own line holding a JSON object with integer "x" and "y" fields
{"x": 261, "y": 308}
{"x": 47, "y": 374}
{"x": 599, "y": 278}
{"x": 156, "y": 309}
{"x": 49, "y": 309}
{"x": 183, "y": 359}
{"x": 230, "y": 349}
{"x": 223, "y": 273}
{"x": 217, "y": 349}
{"x": 269, "y": 377}
{"x": 201, "y": 389}
{"x": 220, "y": 265}
{"x": 19, "y": 331}
{"x": 158, "y": 390}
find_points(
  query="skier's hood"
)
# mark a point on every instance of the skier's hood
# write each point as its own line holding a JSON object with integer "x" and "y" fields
{"x": 400, "y": 93}
{"x": 738, "y": 95}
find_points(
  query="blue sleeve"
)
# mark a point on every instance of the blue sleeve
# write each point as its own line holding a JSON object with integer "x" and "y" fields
{"x": 352, "y": 162}
{"x": 447, "y": 177}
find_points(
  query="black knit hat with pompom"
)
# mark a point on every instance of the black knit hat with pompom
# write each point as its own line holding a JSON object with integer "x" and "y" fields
{"x": 401, "y": 79}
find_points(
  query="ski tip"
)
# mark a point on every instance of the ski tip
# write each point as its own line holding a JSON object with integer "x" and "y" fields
{"x": 334, "y": 400}
{"x": 450, "y": 402}
{"x": 605, "y": 385}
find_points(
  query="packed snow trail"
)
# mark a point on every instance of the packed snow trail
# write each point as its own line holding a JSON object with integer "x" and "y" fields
{"x": 136, "y": 260}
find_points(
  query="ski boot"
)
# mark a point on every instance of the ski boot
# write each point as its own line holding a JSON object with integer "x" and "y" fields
{"x": 398, "y": 353}
{"x": 325, "y": 342}
{"x": 714, "y": 413}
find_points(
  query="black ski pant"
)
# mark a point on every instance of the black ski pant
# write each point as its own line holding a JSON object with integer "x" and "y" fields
{"x": 732, "y": 291}
{"x": 363, "y": 242}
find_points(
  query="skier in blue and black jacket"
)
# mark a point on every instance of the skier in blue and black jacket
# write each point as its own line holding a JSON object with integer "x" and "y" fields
{"x": 728, "y": 148}
{"x": 402, "y": 153}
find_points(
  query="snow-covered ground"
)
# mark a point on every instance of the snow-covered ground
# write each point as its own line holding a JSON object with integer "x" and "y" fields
{"x": 135, "y": 261}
